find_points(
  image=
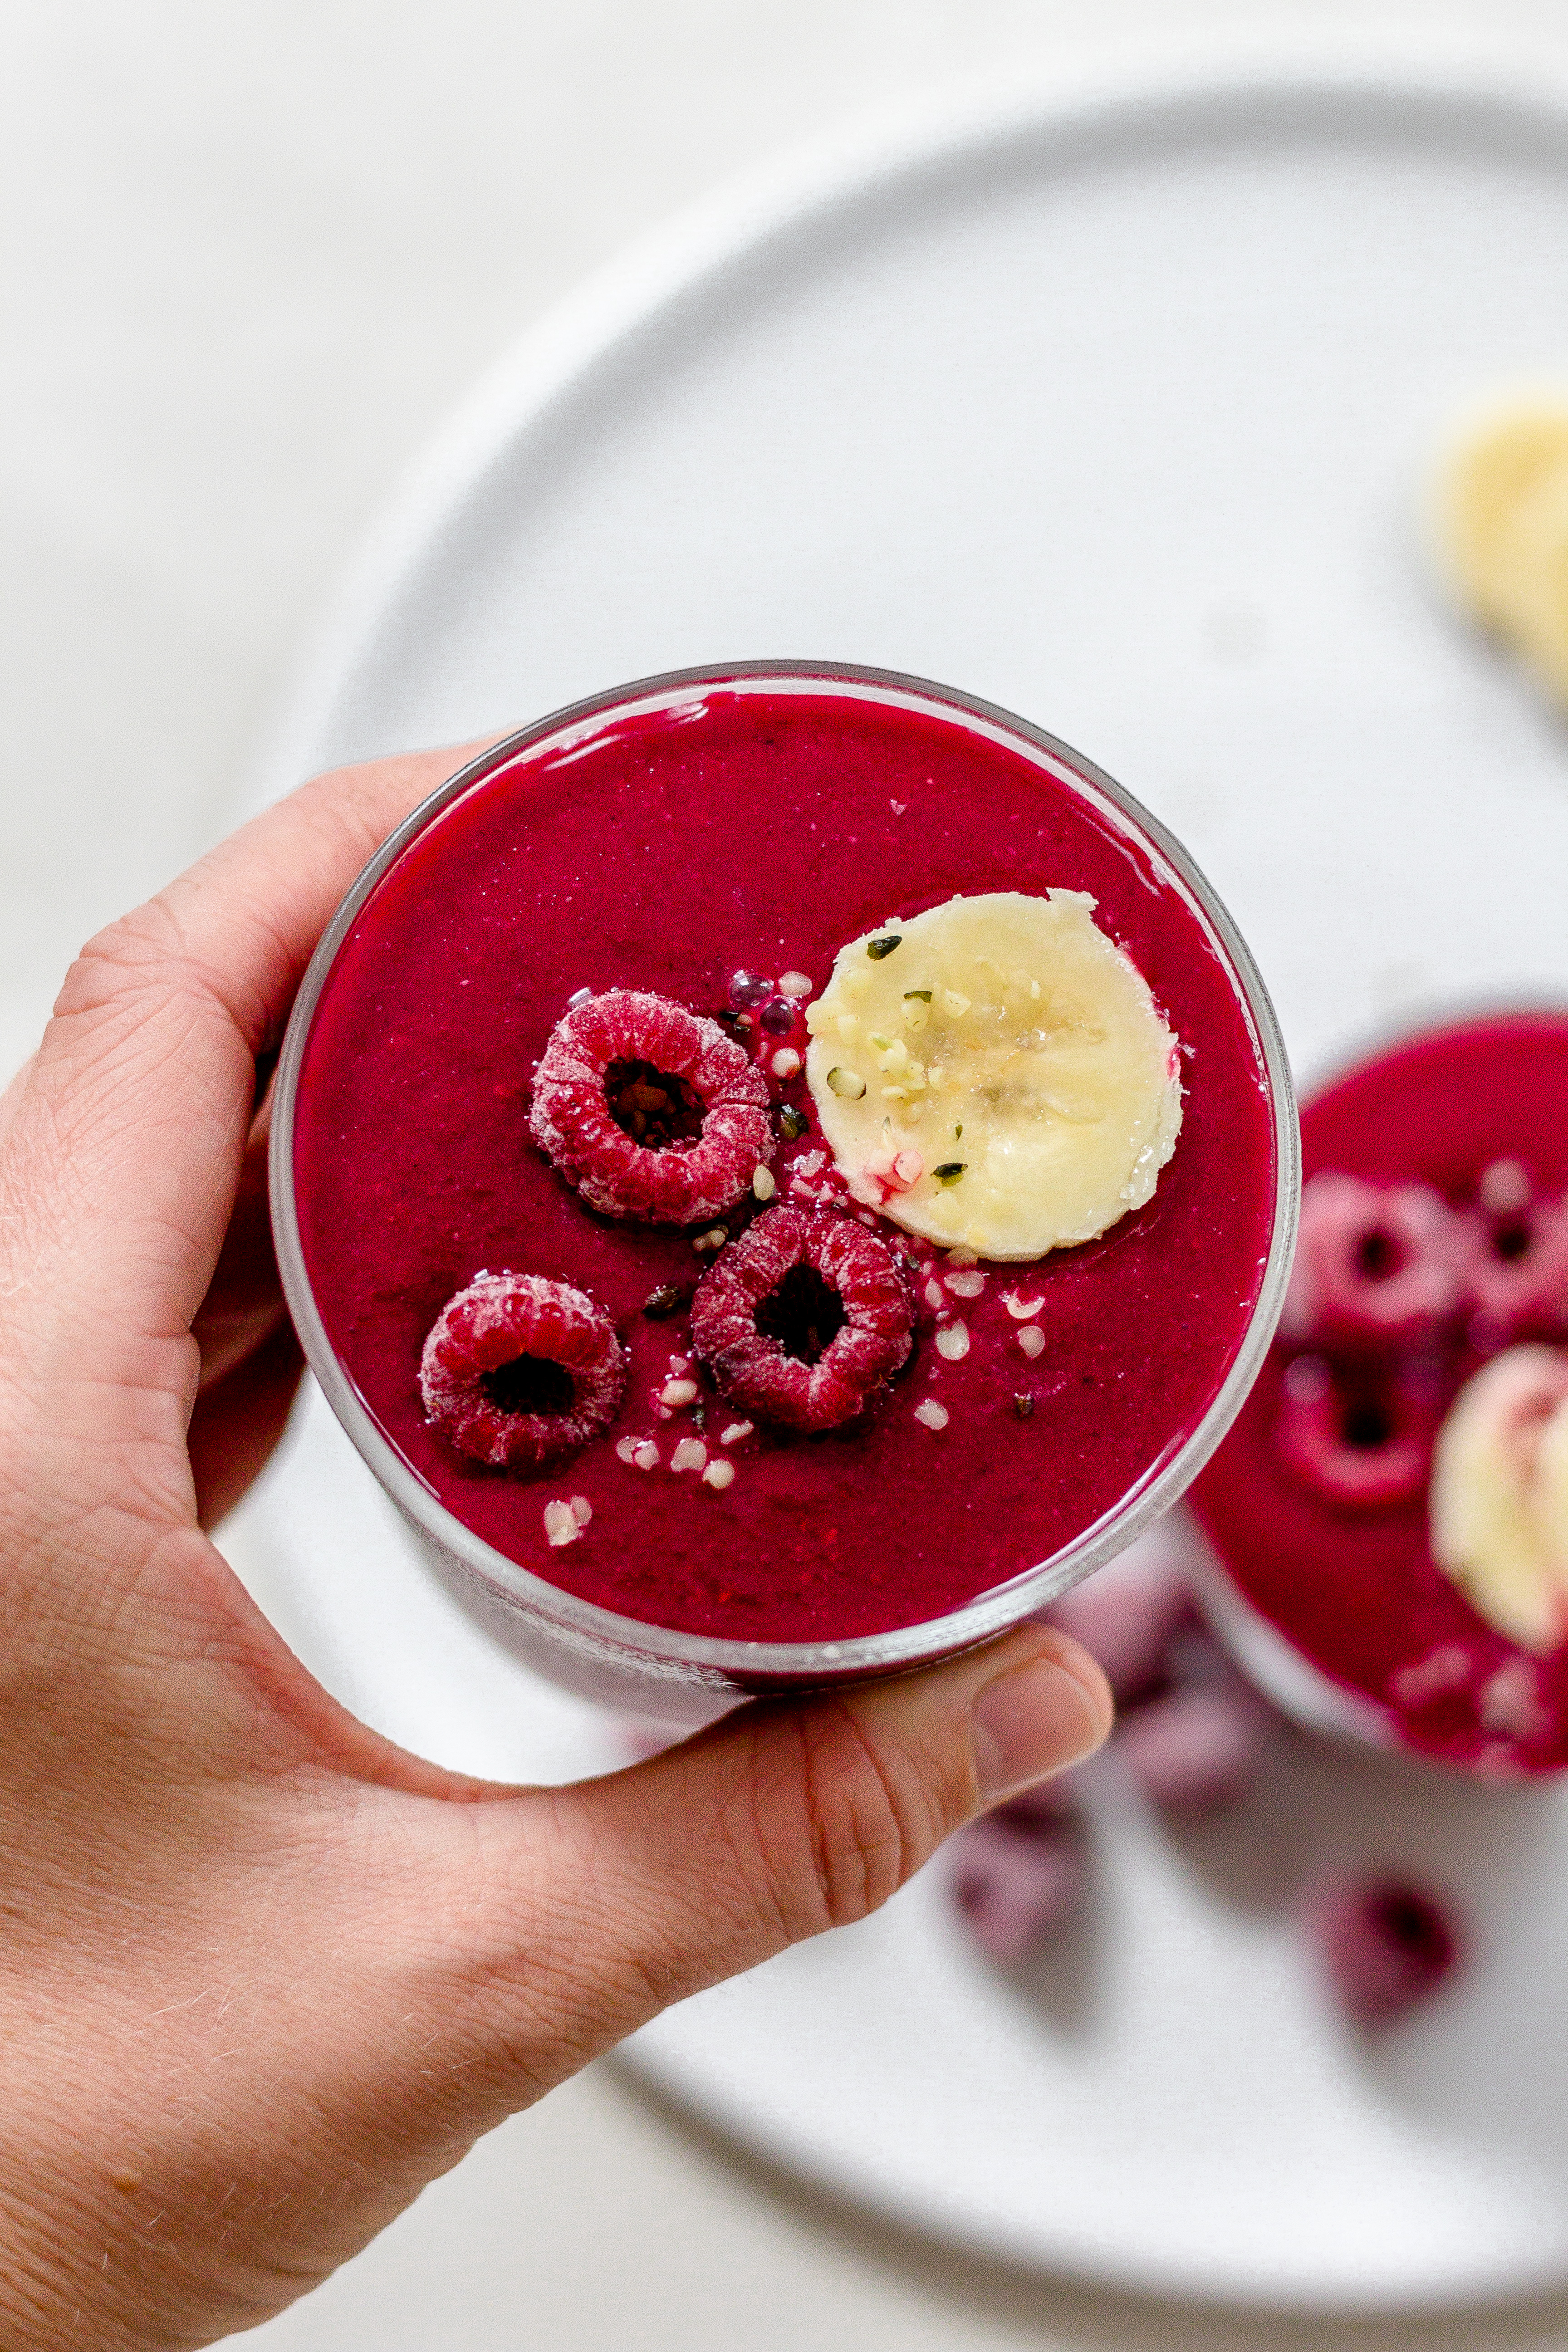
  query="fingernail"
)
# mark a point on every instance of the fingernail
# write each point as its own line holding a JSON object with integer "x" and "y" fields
{"x": 1033, "y": 1719}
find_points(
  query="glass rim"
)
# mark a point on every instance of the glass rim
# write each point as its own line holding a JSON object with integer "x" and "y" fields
{"x": 584, "y": 1623}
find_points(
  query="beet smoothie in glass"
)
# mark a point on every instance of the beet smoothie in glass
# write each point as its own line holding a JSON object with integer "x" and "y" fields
{"x": 1390, "y": 1512}
{"x": 695, "y": 1313}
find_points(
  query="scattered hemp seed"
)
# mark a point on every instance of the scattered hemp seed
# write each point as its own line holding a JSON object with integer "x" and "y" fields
{"x": 877, "y": 949}
{"x": 719, "y": 1475}
{"x": 713, "y": 1239}
{"x": 923, "y": 994}
{"x": 1032, "y": 1340}
{"x": 561, "y": 1526}
{"x": 765, "y": 1185}
{"x": 1023, "y": 1404}
{"x": 949, "y": 1172}
{"x": 846, "y": 1082}
{"x": 933, "y": 1415}
{"x": 667, "y": 1300}
{"x": 792, "y": 1123}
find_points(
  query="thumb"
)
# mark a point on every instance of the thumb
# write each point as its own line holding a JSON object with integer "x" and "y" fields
{"x": 786, "y": 1819}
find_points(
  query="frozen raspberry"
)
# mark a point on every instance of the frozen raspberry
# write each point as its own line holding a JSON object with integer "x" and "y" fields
{"x": 650, "y": 1110}
{"x": 1513, "y": 1265}
{"x": 1387, "y": 1945}
{"x": 1195, "y": 1750}
{"x": 1014, "y": 1885}
{"x": 804, "y": 1319}
{"x": 1128, "y": 1616}
{"x": 1376, "y": 1266}
{"x": 1360, "y": 1440}
{"x": 1048, "y": 1806}
{"x": 518, "y": 1369}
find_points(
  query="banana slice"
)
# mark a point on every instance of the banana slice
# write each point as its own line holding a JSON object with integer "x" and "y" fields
{"x": 994, "y": 1074}
{"x": 1498, "y": 1510}
{"x": 1495, "y": 466}
{"x": 1539, "y": 586}
{"x": 1502, "y": 520}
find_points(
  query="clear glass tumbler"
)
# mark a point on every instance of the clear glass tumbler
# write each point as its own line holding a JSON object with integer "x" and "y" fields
{"x": 687, "y": 1677}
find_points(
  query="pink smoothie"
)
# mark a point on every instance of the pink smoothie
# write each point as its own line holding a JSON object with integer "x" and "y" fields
{"x": 760, "y": 832}
{"x": 1357, "y": 1592}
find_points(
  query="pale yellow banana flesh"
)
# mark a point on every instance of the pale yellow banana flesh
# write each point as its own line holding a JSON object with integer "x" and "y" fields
{"x": 1502, "y": 519}
{"x": 1497, "y": 1509}
{"x": 1010, "y": 1052}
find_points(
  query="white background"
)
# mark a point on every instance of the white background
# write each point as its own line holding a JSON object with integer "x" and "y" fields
{"x": 250, "y": 258}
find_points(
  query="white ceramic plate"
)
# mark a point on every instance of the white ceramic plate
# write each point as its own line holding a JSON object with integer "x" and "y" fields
{"x": 1114, "y": 409}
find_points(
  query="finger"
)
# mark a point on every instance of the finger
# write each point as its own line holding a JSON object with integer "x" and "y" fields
{"x": 785, "y": 1819}
{"x": 121, "y": 1153}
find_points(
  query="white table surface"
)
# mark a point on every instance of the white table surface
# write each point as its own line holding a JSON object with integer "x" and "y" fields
{"x": 249, "y": 259}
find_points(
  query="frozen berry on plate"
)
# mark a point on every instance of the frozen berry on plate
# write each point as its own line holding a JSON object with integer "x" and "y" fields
{"x": 650, "y": 1110}
{"x": 1386, "y": 1943}
{"x": 1195, "y": 1750}
{"x": 1015, "y": 1886}
{"x": 1361, "y": 1440}
{"x": 1128, "y": 1616}
{"x": 1514, "y": 1264}
{"x": 519, "y": 1370}
{"x": 1376, "y": 1265}
{"x": 803, "y": 1319}
{"x": 1048, "y": 1806}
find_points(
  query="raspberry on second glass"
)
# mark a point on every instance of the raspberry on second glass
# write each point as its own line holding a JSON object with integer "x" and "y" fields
{"x": 804, "y": 1319}
{"x": 650, "y": 1110}
{"x": 1376, "y": 1265}
{"x": 1360, "y": 1440}
{"x": 519, "y": 1369}
{"x": 1513, "y": 1265}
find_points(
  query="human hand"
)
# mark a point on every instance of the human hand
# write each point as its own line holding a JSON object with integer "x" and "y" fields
{"x": 263, "y": 1975}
